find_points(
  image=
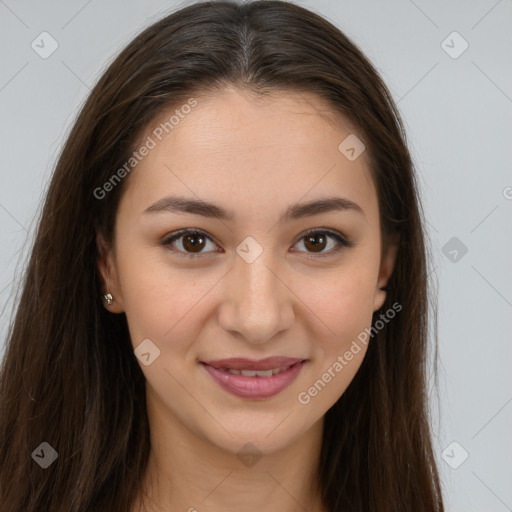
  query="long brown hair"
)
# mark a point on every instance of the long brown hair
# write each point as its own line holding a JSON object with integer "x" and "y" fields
{"x": 69, "y": 376}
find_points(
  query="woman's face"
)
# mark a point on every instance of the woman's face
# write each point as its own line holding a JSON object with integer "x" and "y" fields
{"x": 253, "y": 283}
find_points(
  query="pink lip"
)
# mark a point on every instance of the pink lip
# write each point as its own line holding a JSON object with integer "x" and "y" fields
{"x": 241, "y": 363}
{"x": 255, "y": 387}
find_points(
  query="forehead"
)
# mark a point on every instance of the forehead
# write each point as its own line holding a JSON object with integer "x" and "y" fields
{"x": 248, "y": 151}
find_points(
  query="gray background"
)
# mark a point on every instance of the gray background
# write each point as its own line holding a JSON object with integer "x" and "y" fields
{"x": 458, "y": 114}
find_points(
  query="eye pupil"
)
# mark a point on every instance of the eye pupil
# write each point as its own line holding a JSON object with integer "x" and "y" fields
{"x": 317, "y": 247}
{"x": 193, "y": 242}
{"x": 194, "y": 245}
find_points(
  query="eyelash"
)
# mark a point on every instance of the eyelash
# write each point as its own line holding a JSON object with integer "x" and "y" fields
{"x": 342, "y": 241}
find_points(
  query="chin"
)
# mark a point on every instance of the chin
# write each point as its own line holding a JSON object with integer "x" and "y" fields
{"x": 264, "y": 438}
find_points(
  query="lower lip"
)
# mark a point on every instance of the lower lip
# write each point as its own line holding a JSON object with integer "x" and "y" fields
{"x": 254, "y": 387}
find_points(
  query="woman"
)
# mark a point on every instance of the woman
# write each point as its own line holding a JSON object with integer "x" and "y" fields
{"x": 226, "y": 303}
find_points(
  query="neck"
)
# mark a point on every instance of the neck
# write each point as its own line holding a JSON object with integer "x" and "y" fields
{"x": 188, "y": 473}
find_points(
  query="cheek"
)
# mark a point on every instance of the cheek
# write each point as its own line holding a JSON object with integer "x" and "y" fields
{"x": 166, "y": 303}
{"x": 344, "y": 303}
{"x": 345, "y": 309}
{"x": 162, "y": 303}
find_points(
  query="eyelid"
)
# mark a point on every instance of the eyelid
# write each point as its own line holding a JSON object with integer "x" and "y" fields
{"x": 333, "y": 232}
{"x": 176, "y": 235}
{"x": 343, "y": 241}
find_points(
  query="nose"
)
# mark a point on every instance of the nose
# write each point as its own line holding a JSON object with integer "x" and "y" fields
{"x": 257, "y": 304}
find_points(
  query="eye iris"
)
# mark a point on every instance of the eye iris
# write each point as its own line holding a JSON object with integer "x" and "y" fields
{"x": 193, "y": 245}
{"x": 195, "y": 242}
{"x": 311, "y": 239}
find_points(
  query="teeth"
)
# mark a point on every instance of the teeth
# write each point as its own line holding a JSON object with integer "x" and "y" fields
{"x": 259, "y": 373}
{"x": 264, "y": 373}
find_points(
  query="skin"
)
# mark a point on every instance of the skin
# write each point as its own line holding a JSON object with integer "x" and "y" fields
{"x": 256, "y": 157}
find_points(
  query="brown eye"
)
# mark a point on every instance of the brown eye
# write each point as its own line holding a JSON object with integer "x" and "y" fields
{"x": 316, "y": 241}
{"x": 192, "y": 242}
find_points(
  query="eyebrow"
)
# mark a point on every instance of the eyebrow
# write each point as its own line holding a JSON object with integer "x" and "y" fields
{"x": 175, "y": 204}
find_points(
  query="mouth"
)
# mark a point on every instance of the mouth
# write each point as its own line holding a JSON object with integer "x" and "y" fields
{"x": 256, "y": 373}
{"x": 255, "y": 379}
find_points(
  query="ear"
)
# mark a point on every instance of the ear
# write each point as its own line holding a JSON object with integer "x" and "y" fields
{"x": 387, "y": 265}
{"x": 108, "y": 274}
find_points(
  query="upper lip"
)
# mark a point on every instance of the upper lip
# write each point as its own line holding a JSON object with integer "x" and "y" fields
{"x": 240, "y": 363}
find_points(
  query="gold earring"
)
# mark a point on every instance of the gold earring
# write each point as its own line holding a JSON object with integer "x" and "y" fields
{"x": 108, "y": 299}
{"x": 383, "y": 300}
